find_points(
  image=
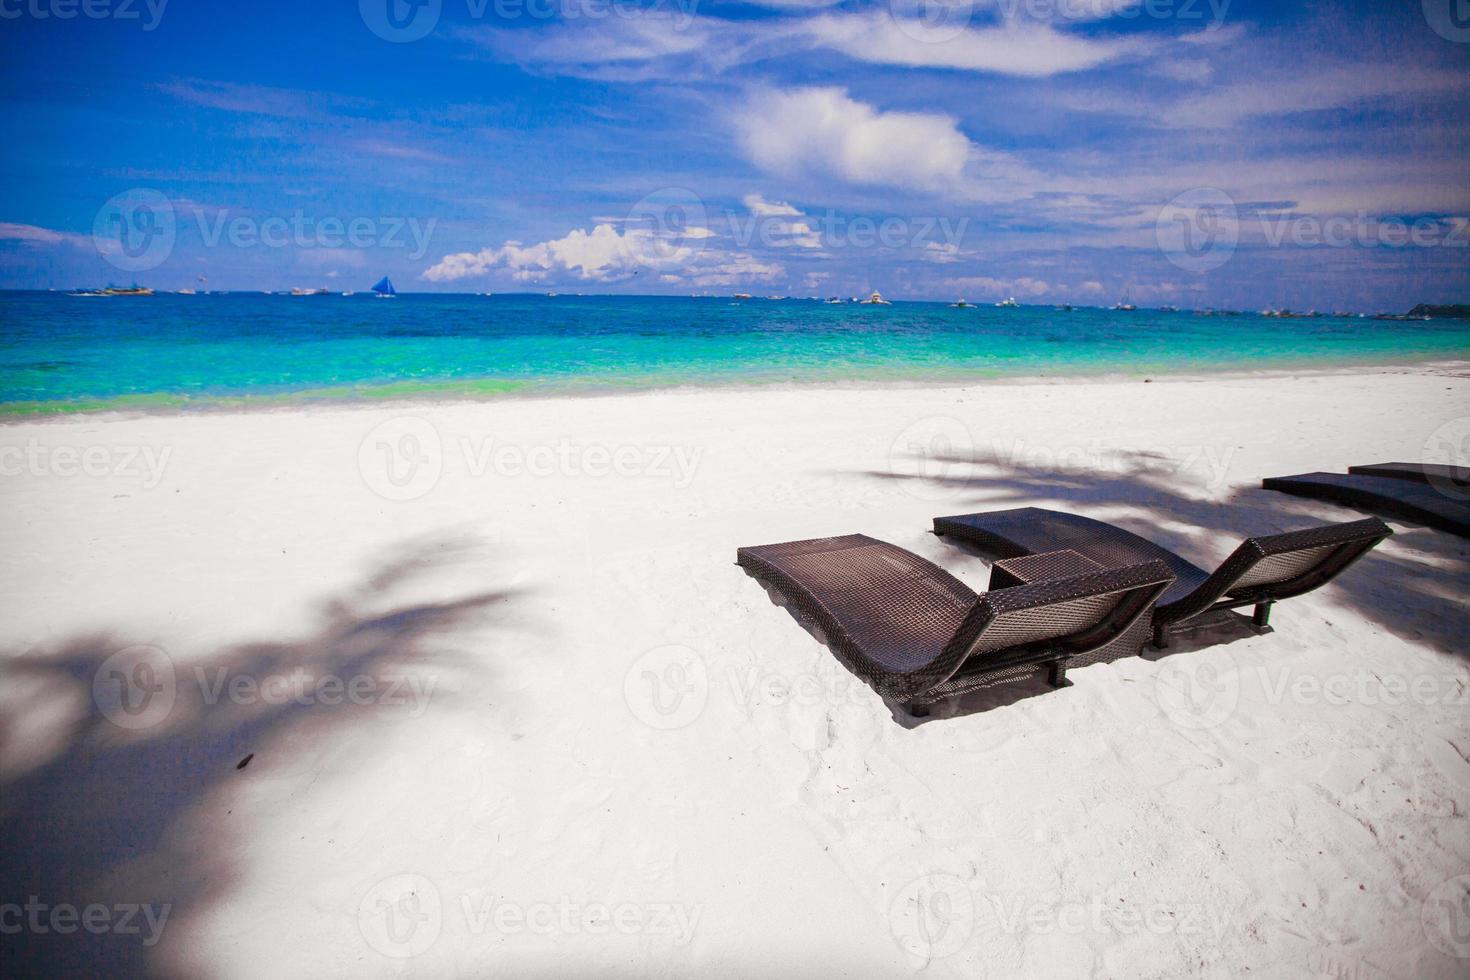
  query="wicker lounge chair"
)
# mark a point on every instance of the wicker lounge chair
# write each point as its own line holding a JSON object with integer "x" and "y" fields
{"x": 1436, "y": 474}
{"x": 1260, "y": 572}
{"x": 1400, "y": 493}
{"x": 918, "y": 635}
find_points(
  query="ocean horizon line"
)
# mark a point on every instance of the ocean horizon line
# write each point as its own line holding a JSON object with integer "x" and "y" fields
{"x": 1005, "y": 302}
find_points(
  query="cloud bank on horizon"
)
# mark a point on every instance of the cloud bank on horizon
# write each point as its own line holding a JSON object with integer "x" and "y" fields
{"x": 1201, "y": 152}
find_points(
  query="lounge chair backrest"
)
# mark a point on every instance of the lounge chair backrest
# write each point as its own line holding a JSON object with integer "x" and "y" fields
{"x": 1279, "y": 566}
{"x": 1071, "y": 616}
{"x": 1008, "y": 629}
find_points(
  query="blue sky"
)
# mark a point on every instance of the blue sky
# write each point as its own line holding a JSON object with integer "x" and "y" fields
{"x": 1194, "y": 152}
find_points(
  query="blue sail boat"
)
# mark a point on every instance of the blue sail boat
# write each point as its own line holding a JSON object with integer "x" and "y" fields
{"x": 384, "y": 288}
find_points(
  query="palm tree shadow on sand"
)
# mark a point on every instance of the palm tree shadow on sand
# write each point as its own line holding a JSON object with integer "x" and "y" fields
{"x": 108, "y": 809}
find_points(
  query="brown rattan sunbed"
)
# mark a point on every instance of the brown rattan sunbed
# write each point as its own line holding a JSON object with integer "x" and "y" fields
{"x": 1260, "y": 572}
{"x": 1437, "y": 474}
{"x": 1399, "y": 493}
{"x": 918, "y": 635}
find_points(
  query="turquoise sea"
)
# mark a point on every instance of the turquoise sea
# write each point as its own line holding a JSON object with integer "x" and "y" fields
{"x": 67, "y": 353}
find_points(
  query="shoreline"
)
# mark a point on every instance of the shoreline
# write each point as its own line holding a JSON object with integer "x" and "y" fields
{"x": 172, "y": 404}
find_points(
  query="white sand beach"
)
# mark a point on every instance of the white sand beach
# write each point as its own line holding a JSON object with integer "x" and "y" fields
{"x": 511, "y": 709}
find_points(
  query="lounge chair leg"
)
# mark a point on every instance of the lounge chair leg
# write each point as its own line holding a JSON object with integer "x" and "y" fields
{"x": 1161, "y": 637}
{"x": 1262, "y": 617}
{"x": 1057, "y": 675}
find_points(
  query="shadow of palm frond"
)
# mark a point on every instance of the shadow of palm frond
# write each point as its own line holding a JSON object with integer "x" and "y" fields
{"x": 101, "y": 808}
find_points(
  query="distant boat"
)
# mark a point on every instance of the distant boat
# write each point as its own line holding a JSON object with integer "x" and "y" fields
{"x": 742, "y": 296}
{"x": 350, "y": 292}
{"x": 960, "y": 305}
{"x": 876, "y": 299}
{"x": 319, "y": 291}
{"x": 1124, "y": 307}
{"x": 384, "y": 287}
{"x": 834, "y": 299}
{"x": 1008, "y": 304}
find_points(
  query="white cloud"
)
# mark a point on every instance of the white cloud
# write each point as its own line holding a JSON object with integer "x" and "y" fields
{"x": 653, "y": 43}
{"x": 1023, "y": 286}
{"x": 606, "y": 254}
{"x": 1278, "y": 93}
{"x": 634, "y": 46}
{"x": 260, "y": 100}
{"x": 823, "y": 132}
{"x": 735, "y": 268}
{"x": 778, "y": 224}
{"x": 601, "y": 254}
{"x": 37, "y": 236}
{"x": 761, "y": 208}
{"x": 942, "y": 253}
{"x": 399, "y": 151}
{"x": 1024, "y": 49}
